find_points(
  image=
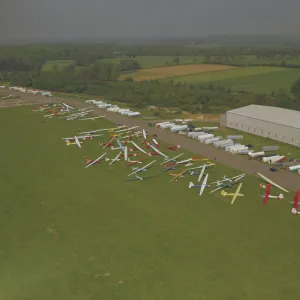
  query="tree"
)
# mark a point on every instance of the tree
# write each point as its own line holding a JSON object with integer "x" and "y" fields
{"x": 176, "y": 60}
{"x": 295, "y": 89}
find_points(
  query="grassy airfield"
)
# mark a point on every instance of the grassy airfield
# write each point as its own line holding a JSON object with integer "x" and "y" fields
{"x": 75, "y": 233}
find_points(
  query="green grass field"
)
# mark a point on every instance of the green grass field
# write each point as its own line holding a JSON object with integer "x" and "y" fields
{"x": 234, "y": 74}
{"x": 148, "y": 62}
{"x": 253, "y": 79}
{"x": 248, "y": 60}
{"x": 263, "y": 83}
{"x": 59, "y": 64}
{"x": 75, "y": 233}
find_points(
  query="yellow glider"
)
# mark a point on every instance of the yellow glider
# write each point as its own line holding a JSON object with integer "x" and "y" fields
{"x": 176, "y": 176}
{"x": 235, "y": 195}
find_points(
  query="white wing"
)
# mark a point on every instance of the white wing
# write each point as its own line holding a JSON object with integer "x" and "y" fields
{"x": 201, "y": 173}
{"x": 77, "y": 142}
{"x": 126, "y": 153}
{"x": 141, "y": 169}
{"x": 138, "y": 147}
{"x": 271, "y": 182}
{"x": 93, "y": 162}
{"x": 115, "y": 158}
{"x": 171, "y": 159}
{"x": 203, "y": 185}
{"x": 157, "y": 151}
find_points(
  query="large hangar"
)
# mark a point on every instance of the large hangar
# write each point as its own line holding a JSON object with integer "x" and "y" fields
{"x": 273, "y": 122}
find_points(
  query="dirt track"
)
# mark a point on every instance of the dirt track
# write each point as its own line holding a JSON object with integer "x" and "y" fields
{"x": 283, "y": 178}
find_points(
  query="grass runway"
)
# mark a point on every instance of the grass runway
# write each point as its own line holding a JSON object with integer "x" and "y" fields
{"x": 75, "y": 233}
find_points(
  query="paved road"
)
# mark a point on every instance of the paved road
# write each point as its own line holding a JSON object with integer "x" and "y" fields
{"x": 283, "y": 178}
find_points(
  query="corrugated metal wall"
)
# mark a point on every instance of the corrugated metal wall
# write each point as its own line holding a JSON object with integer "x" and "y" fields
{"x": 223, "y": 120}
{"x": 263, "y": 128}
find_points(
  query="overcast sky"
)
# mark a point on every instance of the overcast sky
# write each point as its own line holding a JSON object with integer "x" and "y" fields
{"x": 136, "y": 18}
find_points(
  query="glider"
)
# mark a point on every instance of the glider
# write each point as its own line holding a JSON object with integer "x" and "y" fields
{"x": 141, "y": 169}
{"x": 109, "y": 143}
{"x": 126, "y": 129}
{"x": 116, "y": 158}
{"x": 138, "y": 147}
{"x": 280, "y": 196}
{"x": 267, "y": 193}
{"x": 171, "y": 159}
{"x": 272, "y": 183}
{"x": 77, "y": 141}
{"x": 204, "y": 184}
{"x": 176, "y": 176}
{"x": 232, "y": 179}
{"x": 125, "y": 153}
{"x": 120, "y": 145}
{"x": 235, "y": 195}
{"x": 155, "y": 142}
{"x": 201, "y": 173}
{"x": 96, "y": 160}
{"x": 228, "y": 184}
{"x": 174, "y": 148}
{"x": 295, "y": 204}
{"x": 192, "y": 185}
{"x": 92, "y": 118}
{"x": 144, "y": 134}
{"x": 68, "y": 143}
{"x": 160, "y": 153}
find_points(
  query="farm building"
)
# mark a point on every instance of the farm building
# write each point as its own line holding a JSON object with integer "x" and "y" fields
{"x": 273, "y": 122}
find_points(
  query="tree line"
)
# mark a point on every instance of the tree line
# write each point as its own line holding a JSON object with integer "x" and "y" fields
{"x": 90, "y": 73}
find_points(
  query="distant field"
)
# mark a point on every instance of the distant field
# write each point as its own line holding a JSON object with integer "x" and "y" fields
{"x": 235, "y": 73}
{"x": 174, "y": 71}
{"x": 264, "y": 82}
{"x": 60, "y": 64}
{"x": 254, "y": 79}
{"x": 247, "y": 60}
{"x": 160, "y": 61}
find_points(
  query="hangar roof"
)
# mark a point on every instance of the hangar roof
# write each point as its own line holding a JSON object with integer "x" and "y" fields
{"x": 277, "y": 115}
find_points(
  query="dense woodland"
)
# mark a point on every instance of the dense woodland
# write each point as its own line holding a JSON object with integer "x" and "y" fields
{"x": 91, "y": 74}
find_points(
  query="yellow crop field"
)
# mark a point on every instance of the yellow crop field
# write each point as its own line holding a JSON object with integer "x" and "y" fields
{"x": 158, "y": 73}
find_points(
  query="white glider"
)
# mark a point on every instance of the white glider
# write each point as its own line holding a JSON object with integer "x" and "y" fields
{"x": 93, "y": 162}
{"x": 272, "y": 183}
{"x": 138, "y": 147}
{"x": 116, "y": 158}
{"x": 171, "y": 159}
{"x": 141, "y": 169}
{"x": 159, "y": 152}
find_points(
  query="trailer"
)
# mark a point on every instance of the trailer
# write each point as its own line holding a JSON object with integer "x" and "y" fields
{"x": 209, "y": 128}
{"x": 210, "y": 141}
{"x": 228, "y": 148}
{"x": 240, "y": 149}
{"x": 270, "y": 148}
{"x": 193, "y": 134}
{"x": 104, "y": 105}
{"x": 166, "y": 125}
{"x": 216, "y": 144}
{"x": 234, "y": 137}
{"x": 228, "y": 143}
{"x": 202, "y": 138}
{"x": 223, "y": 143}
{"x": 133, "y": 114}
{"x": 177, "y": 128}
{"x": 294, "y": 168}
